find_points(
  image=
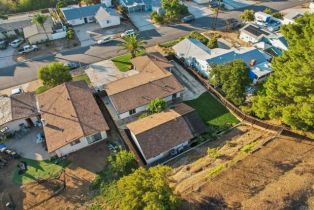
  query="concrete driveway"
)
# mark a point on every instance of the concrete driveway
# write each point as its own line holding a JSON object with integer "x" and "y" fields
{"x": 27, "y": 147}
{"x": 193, "y": 89}
{"x": 237, "y": 4}
{"x": 198, "y": 10}
{"x": 142, "y": 21}
{"x": 6, "y": 57}
{"x": 84, "y": 32}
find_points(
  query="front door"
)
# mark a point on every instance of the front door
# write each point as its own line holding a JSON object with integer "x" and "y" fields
{"x": 85, "y": 20}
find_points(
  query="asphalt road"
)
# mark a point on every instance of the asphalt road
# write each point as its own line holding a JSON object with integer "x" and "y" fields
{"x": 24, "y": 72}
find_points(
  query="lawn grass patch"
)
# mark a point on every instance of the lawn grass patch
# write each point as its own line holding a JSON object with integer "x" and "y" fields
{"x": 81, "y": 77}
{"x": 39, "y": 170}
{"x": 213, "y": 113}
{"x": 41, "y": 89}
{"x": 123, "y": 62}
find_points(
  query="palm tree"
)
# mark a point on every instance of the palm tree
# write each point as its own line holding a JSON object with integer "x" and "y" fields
{"x": 40, "y": 19}
{"x": 133, "y": 45}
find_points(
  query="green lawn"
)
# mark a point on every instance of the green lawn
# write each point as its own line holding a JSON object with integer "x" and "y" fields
{"x": 81, "y": 77}
{"x": 39, "y": 170}
{"x": 123, "y": 62}
{"x": 213, "y": 113}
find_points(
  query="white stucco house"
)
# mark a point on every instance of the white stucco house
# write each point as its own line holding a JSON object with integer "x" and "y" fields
{"x": 164, "y": 134}
{"x": 130, "y": 95}
{"x": 252, "y": 33}
{"x": 18, "y": 112}
{"x": 71, "y": 118}
{"x": 104, "y": 16}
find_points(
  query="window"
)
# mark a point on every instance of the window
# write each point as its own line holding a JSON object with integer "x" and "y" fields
{"x": 174, "y": 96}
{"x": 108, "y": 21}
{"x": 75, "y": 142}
{"x": 132, "y": 111}
{"x": 93, "y": 138}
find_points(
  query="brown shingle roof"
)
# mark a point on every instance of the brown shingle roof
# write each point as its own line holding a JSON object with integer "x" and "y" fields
{"x": 69, "y": 112}
{"x": 153, "y": 81}
{"x": 23, "y": 105}
{"x": 17, "y": 107}
{"x": 160, "y": 132}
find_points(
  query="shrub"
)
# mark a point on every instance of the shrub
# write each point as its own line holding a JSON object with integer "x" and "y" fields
{"x": 278, "y": 15}
{"x": 213, "y": 152}
{"x": 41, "y": 89}
{"x": 216, "y": 170}
{"x": 199, "y": 37}
{"x": 212, "y": 43}
{"x": 248, "y": 148}
{"x": 70, "y": 33}
{"x": 156, "y": 105}
{"x": 156, "y": 18}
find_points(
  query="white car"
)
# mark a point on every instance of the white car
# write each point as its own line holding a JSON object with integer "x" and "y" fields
{"x": 128, "y": 33}
{"x": 16, "y": 43}
{"x": 104, "y": 40}
{"x": 27, "y": 49}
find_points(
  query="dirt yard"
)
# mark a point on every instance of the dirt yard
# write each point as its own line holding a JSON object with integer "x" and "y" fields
{"x": 78, "y": 177}
{"x": 273, "y": 173}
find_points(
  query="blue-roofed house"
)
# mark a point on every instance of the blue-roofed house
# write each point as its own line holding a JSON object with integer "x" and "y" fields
{"x": 137, "y": 5}
{"x": 99, "y": 13}
{"x": 201, "y": 58}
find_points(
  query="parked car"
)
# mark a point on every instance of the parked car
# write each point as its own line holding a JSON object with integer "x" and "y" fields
{"x": 73, "y": 64}
{"x": 16, "y": 43}
{"x": 27, "y": 49}
{"x": 104, "y": 40}
{"x": 16, "y": 91}
{"x": 3, "y": 44}
{"x": 233, "y": 23}
{"x": 128, "y": 33}
{"x": 188, "y": 18}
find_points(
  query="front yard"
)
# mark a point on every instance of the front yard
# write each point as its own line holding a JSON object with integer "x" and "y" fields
{"x": 37, "y": 170}
{"x": 214, "y": 114}
{"x": 123, "y": 62}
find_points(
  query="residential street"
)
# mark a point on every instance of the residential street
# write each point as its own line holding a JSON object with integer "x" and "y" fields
{"x": 27, "y": 71}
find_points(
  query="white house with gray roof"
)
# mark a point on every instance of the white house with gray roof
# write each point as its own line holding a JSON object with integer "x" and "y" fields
{"x": 99, "y": 13}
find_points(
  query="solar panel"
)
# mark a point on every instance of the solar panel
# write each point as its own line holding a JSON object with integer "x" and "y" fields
{"x": 255, "y": 30}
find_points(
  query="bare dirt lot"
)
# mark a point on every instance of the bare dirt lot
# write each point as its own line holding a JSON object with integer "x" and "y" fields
{"x": 78, "y": 177}
{"x": 277, "y": 173}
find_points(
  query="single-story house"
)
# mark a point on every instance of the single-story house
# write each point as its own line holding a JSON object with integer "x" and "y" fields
{"x": 13, "y": 26}
{"x": 161, "y": 135}
{"x": 259, "y": 72}
{"x": 136, "y": 5}
{"x": 131, "y": 95}
{"x": 252, "y": 33}
{"x": 50, "y": 31}
{"x": 71, "y": 118}
{"x": 18, "y": 111}
{"x": 198, "y": 56}
{"x": 99, "y": 13}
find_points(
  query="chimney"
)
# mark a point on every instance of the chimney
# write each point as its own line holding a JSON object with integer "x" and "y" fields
{"x": 253, "y": 62}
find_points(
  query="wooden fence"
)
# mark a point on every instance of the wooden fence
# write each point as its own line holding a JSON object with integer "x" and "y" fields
{"x": 247, "y": 119}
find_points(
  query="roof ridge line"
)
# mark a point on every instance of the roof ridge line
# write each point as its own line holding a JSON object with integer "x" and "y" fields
{"x": 74, "y": 108}
{"x": 142, "y": 84}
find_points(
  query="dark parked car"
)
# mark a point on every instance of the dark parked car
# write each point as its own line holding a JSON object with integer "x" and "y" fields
{"x": 188, "y": 18}
{"x": 3, "y": 44}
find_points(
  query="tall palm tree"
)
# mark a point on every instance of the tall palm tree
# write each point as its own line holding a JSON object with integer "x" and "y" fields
{"x": 40, "y": 19}
{"x": 133, "y": 45}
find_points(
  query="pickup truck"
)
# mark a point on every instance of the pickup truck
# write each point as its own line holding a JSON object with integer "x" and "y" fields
{"x": 27, "y": 49}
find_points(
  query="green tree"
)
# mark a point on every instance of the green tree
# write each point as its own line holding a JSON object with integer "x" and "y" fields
{"x": 143, "y": 189}
{"x": 268, "y": 11}
{"x": 40, "y": 19}
{"x": 156, "y": 105}
{"x": 133, "y": 45}
{"x": 61, "y": 4}
{"x": 247, "y": 15}
{"x": 174, "y": 9}
{"x": 70, "y": 33}
{"x": 54, "y": 74}
{"x": 288, "y": 93}
{"x": 278, "y": 15}
{"x": 123, "y": 163}
{"x": 233, "y": 78}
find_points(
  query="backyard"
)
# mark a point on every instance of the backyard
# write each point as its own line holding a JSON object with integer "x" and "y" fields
{"x": 214, "y": 114}
{"x": 123, "y": 62}
{"x": 37, "y": 170}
